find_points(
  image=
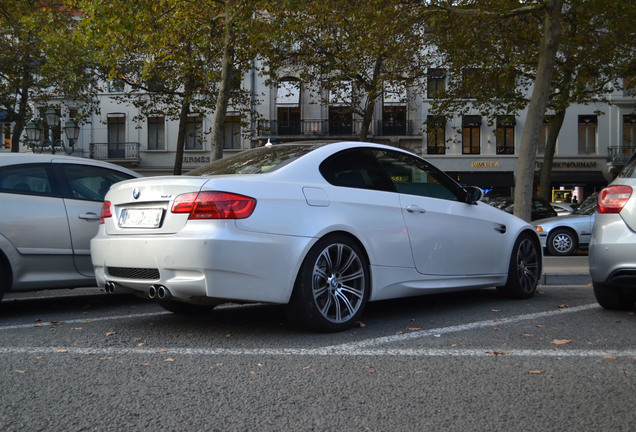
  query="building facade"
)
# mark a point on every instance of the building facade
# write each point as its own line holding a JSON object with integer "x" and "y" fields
{"x": 594, "y": 143}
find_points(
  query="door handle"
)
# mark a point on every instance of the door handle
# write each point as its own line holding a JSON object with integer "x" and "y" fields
{"x": 89, "y": 216}
{"x": 415, "y": 209}
{"x": 500, "y": 228}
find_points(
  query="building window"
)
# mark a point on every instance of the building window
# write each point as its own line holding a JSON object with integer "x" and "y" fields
{"x": 340, "y": 120}
{"x": 116, "y": 136}
{"x": 6, "y": 135}
{"x": 116, "y": 85}
{"x": 194, "y": 133}
{"x": 587, "y": 134}
{"x": 232, "y": 133}
{"x": 156, "y": 132}
{"x": 394, "y": 120}
{"x": 435, "y": 134}
{"x": 629, "y": 131}
{"x": 505, "y": 134}
{"x": 435, "y": 82}
{"x": 546, "y": 125}
{"x": 288, "y": 108}
{"x": 471, "y": 128}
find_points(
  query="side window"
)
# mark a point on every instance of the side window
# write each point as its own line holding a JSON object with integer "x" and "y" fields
{"x": 356, "y": 168}
{"x": 28, "y": 180}
{"x": 414, "y": 176}
{"x": 90, "y": 182}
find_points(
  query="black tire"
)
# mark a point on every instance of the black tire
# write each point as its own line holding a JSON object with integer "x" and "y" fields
{"x": 614, "y": 297}
{"x": 332, "y": 286}
{"x": 524, "y": 269}
{"x": 4, "y": 281}
{"x": 562, "y": 242}
{"x": 181, "y": 308}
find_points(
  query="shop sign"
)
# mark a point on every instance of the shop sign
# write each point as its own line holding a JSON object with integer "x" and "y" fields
{"x": 485, "y": 164}
{"x": 196, "y": 159}
{"x": 568, "y": 164}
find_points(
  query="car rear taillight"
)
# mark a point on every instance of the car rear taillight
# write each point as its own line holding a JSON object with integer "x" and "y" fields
{"x": 612, "y": 199}
{"x": 214, "y": 205}
{"x": 106, "y": 212}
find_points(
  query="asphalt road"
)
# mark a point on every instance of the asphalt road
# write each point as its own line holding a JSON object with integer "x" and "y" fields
{"x": 455, "y": 362}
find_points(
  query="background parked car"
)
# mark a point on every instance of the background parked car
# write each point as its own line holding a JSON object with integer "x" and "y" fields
{"x": 613, "y": 245}
{"x": 320, "y": 228}
{"x": 562, "y": 235}
{"x": 564, "y": 209}
{"x": 540, "y": 208}
{"x": 49, "y": 211}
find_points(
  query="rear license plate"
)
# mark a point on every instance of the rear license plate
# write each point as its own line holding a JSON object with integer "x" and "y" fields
{"x": 141, "y": 218}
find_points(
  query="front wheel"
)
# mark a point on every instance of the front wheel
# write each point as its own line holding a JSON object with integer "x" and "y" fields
{"x": 562, "y": 242}
{"x": 332, "y": 286}
{"x": 524, "y": 270}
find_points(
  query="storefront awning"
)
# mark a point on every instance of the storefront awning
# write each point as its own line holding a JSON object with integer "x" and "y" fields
{"x": 485, "y": 180}
{"x": 575, "y": 178}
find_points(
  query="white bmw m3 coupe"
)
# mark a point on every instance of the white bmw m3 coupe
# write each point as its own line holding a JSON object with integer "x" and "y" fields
{"x": 321, "y": 228}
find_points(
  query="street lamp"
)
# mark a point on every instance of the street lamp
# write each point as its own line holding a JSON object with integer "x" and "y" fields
{"x": 34, "y": 133}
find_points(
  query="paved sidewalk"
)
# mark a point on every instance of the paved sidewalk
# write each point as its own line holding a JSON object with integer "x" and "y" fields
{"x": 570, "y": 270}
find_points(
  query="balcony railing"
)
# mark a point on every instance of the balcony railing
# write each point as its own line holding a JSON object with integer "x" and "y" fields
{"x": 394, "y": 128}
{"x": 620, "y": 154}
{"x": 123, "y": 151}
{"x": 310, "y": 128}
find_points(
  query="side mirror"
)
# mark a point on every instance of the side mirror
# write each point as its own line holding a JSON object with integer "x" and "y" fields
{"x": 473, "y": 194}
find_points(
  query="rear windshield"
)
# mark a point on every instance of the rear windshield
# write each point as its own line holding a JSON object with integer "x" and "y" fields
{"x": 629, "y": 171}
{"x": 256, "y": 161}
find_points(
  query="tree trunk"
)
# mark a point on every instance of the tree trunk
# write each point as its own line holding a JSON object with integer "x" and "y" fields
{"x": 223, "y": 97}
{"x": 548, "y": 155}
{"x": 536, "y": 110}
{"x": 23, "y": 109}
{"x": 372, "y": 92}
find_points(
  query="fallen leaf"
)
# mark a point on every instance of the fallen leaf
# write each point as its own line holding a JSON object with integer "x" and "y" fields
{"x": 414, "y": 328}
{"x": 609, "y": 357}
{"x": 61, "y": 350}
{"x": 495, "y": 310}
{"x": 169, "y": 359}
{"x": 111, "y": 333}
{"x": 161, "y": 351}
{"x": 252, "y": 373}
{"x": 535, "y": 372}
{"x": 496, "y": 353}
{"x": 359, "y": 324}
{"x": 19, "y": 371}
{"x": 561, "y": 341}
{"x": 563, "y": 306}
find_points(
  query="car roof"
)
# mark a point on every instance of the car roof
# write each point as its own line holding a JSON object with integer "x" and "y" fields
{"x": 27, "y": 158}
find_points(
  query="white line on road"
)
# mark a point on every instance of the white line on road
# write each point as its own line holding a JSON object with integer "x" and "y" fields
{"x": 423, "y": 352}
{"x": 83, "y": 320}
{"x": 364, "y": 348}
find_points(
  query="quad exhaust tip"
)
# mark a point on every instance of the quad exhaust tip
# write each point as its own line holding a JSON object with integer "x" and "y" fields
{"x": 159, "y": 292}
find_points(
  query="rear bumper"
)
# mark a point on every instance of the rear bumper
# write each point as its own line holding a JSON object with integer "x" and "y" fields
{"x": 233, "y": 265}
{"x": 612, "y": 252}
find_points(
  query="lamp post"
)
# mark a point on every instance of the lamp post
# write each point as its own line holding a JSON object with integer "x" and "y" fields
{"x": 34, "y": 133}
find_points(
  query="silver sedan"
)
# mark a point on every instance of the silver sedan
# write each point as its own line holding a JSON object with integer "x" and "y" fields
{"x": 320, "y": 228}
{"x": 49, "y": 211}
{"x": 563, "y": 235}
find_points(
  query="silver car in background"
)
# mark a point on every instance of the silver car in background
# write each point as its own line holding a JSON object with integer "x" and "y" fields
{"x": 49, "y": 211}
{"x": 562, "y": 235}
{"x": 613, "y": 245}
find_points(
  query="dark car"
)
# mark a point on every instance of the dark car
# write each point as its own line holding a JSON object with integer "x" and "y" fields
{"x": 541, "y": 208}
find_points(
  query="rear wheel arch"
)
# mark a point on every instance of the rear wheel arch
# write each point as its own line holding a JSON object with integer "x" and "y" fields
{"x": 307, "y": 308}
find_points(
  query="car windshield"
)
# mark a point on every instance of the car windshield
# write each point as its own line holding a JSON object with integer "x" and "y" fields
{"x": 256, "y": 161}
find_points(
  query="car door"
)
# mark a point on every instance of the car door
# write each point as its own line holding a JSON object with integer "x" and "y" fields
{"x": 447, "y": 235}
{"x": 33, "y": 221}
{"x": 84, "y": 187}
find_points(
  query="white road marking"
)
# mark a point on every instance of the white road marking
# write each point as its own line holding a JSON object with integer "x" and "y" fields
{"x": 364, "y": 348}
{"x": 278, "y": 352}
